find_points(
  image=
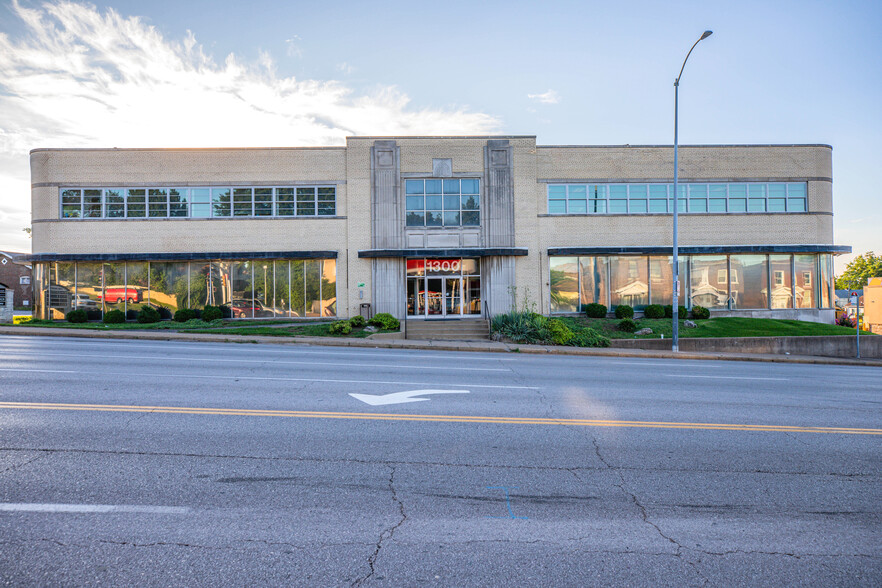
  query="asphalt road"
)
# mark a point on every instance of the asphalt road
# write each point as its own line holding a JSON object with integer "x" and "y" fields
{"x": 191, "y": 464}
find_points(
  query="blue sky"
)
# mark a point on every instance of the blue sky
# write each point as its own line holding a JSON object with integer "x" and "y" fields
{"x": 196, "y": 73}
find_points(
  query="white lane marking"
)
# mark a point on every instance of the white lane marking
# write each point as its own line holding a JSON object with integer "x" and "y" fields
{"x": 401, "y": 397}
{"x": 724, "y": 377}
{"x": 89, "y": 508}
{"x": 303, "y": 348}
{"x": 272, "y": 361}
{"x": 320, "y": 380}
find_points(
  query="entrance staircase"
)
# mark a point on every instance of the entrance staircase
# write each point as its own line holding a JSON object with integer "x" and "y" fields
{"x": 466, "y": 329}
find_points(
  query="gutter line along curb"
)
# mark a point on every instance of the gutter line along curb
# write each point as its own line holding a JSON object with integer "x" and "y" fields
{"x": 474, "y": 346}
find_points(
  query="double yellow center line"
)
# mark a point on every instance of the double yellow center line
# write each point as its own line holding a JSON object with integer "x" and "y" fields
{"x": 429, "y": 418}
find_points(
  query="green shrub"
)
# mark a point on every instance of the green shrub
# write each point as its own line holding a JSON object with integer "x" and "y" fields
{"x": 669, "y": 312}
{"x": 385, "y": 321}
{"x": 654, "y": 311}
{"x": 358, "y": 321}
{"x": 340, "y": 328}
{"x": 114, "y": 317}
{"x": 700, "y": 313}
{"x": 212, "y": 313}
{"x": 520, "y": 326}
{"x": 624, "y": 311}
{"x": 588, "y": 337}
{"x": 627, "y": 325}
{"x": 595, "y": 310}
{"x": 559, "y": 333}
{"x": 77, "y": 316}
{"x": 164, "y": 313}
{"x": 148, "y": 314}
{"x": 183, "y": 315}
{"x": 226, "y": 311}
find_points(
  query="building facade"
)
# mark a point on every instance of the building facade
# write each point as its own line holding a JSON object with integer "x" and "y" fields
{"x": 433, "y": 227}
{"x": 17, "y": 275}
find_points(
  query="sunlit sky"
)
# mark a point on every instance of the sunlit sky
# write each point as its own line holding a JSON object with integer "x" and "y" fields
{"x": 195, "y": 73}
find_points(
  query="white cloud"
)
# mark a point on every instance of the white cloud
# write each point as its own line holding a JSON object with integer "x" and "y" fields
{"x": 293, "y": 48}
{"x": 345, "y": 68}
{"x": 549, "y": 97}
{"x": 79, "y": 77}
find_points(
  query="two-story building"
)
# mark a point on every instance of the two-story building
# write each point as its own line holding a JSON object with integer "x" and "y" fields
{"x": 433, "y": 227}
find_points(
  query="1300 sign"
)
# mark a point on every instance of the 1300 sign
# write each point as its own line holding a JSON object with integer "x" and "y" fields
{"x": 443, "y": 265}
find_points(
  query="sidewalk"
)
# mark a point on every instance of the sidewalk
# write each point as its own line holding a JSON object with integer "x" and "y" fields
{"x": 479, "y": 346}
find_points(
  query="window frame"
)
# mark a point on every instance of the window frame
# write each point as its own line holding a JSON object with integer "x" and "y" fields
{"x": 172, "y": 201}
{"x": 694, "y": 198}
{"x": 444, "y": 196}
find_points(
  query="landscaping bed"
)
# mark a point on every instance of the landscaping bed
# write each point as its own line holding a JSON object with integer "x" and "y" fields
{"x": 713, "y": 327}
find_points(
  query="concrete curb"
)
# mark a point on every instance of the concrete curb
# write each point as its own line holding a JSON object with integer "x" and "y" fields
{"x": 474, "y": 346}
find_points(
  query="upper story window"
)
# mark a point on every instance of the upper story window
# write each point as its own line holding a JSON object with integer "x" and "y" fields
{"x": 202, "y": 202}
{"x": 693, "y": 198}
{"x": 443, "y": 203}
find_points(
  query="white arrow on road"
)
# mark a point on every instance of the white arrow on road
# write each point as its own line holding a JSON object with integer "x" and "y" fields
{"x": 401, "y": 397}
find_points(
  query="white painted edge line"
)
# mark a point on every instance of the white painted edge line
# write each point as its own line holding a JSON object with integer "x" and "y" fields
{"x": 91, "y": 508}
{"x": 305, "y": 349}
{"x": 327, "y": 381}
{"x": 724, "y": 377}
{"x": 266, "y": 361}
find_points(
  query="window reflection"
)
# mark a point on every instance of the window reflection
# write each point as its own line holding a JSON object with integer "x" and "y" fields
{"x": 169, "y": 287}
{"x": 709, "y": 281}
{"x": 782, "y": 293}
{"x": 629, "y": 283}
{"x": 564, "y": 284}
{"x": 806, "y": 283}
{"x": 749, "y": 281}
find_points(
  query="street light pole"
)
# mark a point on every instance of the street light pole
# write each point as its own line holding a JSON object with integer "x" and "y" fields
{"x": 675, "y": 340}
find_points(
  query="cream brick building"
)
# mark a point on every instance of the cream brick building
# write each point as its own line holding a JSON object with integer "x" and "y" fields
{"x": 432, "y": 227}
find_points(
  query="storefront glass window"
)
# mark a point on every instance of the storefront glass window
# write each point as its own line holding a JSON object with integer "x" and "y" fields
{"x": 564, "y": 284}
{"x": 329, "y": 287}
{"x": 594, "y": 282}
{"x": 263, "y": 289}
{"x": 806, "y": 280}
{"x": 661, "y": 280}
{"x": 826, "y": 263}
{"x": 242, "y": 295}
{"x": 629, "y": 281}
{"x": 90, "y": 290}
{"x": 115, "y": 292}
{"x": 782, "y": 293}
{"x": 749, "y": 281}
{"x": 169, "y": 287}
{"x": 312, "y": 279}
{"x": 709, "y": 281}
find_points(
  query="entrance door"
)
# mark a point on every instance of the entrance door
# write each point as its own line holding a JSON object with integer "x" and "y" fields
{"x": 453, "y": 296}
{"x": 435, "y": 297}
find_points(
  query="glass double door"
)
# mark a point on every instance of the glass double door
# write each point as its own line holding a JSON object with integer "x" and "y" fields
{"x": 441, "y": 297}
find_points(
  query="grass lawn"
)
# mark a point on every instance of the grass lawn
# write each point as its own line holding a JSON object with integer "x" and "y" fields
{"x": 308, "y": 330}
{"x": 715, "y": 327}
{"x": 283, "y": 328}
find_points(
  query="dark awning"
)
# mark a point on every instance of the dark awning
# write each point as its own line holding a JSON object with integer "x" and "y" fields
{"x": 700, "y": 250}
{"x": 214, "y": 255}
{"x": 452, "y": 252}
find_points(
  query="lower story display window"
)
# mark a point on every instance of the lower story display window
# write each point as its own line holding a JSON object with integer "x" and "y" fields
{"x": 725, "y": 282}
{"x": 270, "y": 288}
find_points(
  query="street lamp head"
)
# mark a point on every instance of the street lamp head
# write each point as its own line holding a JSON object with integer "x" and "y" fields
{"x": 705, "y": 35}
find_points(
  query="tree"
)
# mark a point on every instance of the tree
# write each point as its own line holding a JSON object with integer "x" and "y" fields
{"x": 859, "y": 271}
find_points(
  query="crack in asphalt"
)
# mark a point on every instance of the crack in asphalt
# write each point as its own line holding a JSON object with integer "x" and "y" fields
{"x": 430, "y": 463}
{"x": 19, "y": 465}
{"x": 137, "y": 416}
{"x": 387, "y": 534}
{"x": 643, "y": 514}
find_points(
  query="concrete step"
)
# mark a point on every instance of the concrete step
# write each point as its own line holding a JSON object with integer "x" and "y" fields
{"x": 462, "y": 329}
